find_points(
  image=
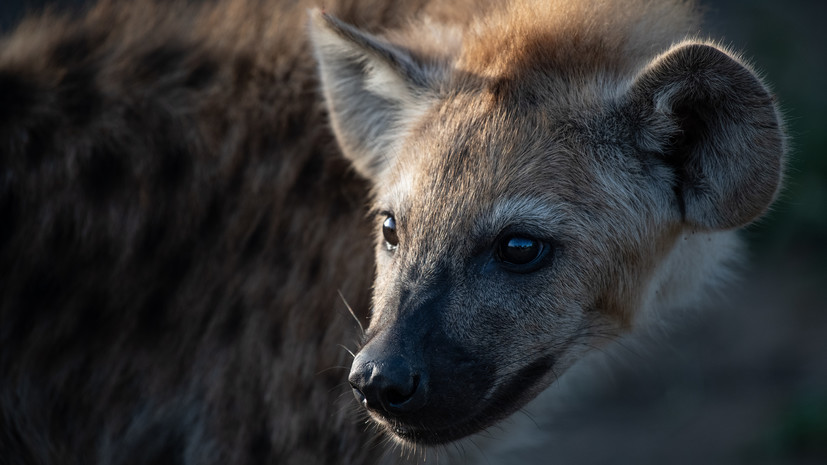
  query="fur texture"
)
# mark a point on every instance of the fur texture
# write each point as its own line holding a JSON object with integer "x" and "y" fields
{"x": 176, "y": 218}
{"x": 176, "y": 226}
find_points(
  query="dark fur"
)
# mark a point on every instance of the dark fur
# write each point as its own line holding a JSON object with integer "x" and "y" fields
{"x": 175, "y": 223}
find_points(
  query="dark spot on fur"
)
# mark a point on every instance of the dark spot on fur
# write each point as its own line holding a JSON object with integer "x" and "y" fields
{"x": 339, "y": 206}
{"x": 295, "y": 126}
{"x": 91, "y": 322}
{"x": 152, "y": 319}
{"x": 17, "y": 94}
{"x": 203, "y": 74}
{"x": 314, "y": 270}
{"x": 63, "y": 235}
{"x": 308, "y": 178}
{"x": 78, "y": 95}
{"x": 174, "y": 166}
{"x": 150, "y": 239}
{"x": 39, "y": 142}
{"x": 160, "y": 61}
{"x": 233, "y": 324}
{"x": 102, "y": 172}
{"x": 276, "y": 335}
{"x": 500, "y": 89}
{"x": 268, "y": 143}
{"x": 235, "y": 178}
{"x": 243, "y": 71}
{"x": 211, "y": 220}
{"x": 160, "y": 443}
{"x": 9, "y": 213}
{"x": 18, "y": 443}
{"x": 154, "y": 314}
{"x": 332, "y": 449}
{"x": 176, "y": 265}
{"x": 259, "y": 444}
{"x": 309, "y": 437}
{"x": 256, "y": 240}
{"x": 40, "y": 292}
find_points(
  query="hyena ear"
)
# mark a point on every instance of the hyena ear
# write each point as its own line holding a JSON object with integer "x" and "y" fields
{"x": 373, "y": 90}
{"x": 709, "y": 118}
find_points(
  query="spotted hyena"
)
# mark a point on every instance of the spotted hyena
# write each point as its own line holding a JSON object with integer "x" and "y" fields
{"x": 179, "y": 228}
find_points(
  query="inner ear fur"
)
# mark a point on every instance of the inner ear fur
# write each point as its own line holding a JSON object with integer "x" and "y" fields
{"x": 707, "y": 116}
{"x": 373, "y": 89}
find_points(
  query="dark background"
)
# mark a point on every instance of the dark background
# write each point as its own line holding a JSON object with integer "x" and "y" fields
{"x": 745, "y": 380}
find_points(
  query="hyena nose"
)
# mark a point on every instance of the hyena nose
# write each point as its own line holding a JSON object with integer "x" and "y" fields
{"x": 390, "y": 384}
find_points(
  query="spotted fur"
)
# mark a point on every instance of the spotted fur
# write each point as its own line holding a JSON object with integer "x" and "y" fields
{"x": 176, "y": 224}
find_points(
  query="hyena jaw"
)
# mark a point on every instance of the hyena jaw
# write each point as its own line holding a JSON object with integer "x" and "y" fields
{"x": 560, "y": 173}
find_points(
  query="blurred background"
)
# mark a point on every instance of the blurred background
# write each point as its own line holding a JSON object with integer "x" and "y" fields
{"x": 743, "y": 381}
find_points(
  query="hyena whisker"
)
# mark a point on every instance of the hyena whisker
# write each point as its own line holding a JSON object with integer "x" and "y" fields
{"x": 337, "y": 367}
{"x": 345, "y": 391}
{"x": 459, "y": 447}
{"x": 347, "y": 350}
{"x": 352, "y": 313}
{"x": 528, "y": 414}
{"x": 478, "y": 447}
{"x": 615, "y": 341}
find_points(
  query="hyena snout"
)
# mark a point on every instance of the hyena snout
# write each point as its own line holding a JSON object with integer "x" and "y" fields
{"x": 416, "y": 379}
{"x": 387, "y": 381}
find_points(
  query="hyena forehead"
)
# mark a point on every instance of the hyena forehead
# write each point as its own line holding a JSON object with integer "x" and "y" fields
{"x": 473, "y": 158}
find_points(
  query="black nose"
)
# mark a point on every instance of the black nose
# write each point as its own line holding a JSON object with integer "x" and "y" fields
{"x": 389, "y": 384}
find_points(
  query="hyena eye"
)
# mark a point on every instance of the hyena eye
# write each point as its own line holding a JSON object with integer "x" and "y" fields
{"x": 389, "y": 231}
{"x": 520, "y": 251}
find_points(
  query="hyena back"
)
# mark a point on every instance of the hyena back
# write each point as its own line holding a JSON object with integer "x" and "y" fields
{"x": 543, "y": 179}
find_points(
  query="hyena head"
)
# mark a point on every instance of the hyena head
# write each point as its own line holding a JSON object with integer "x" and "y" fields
{"x": 539, "y": 181}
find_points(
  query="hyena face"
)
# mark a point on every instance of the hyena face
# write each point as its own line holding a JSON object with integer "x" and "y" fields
{"x": 487, "y": 275}
{"x": 530, "y": 201}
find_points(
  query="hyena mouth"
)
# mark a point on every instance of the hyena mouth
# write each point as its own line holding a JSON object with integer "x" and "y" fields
{"x": 458, "y": 410}
{"x": 421, "y": 434}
